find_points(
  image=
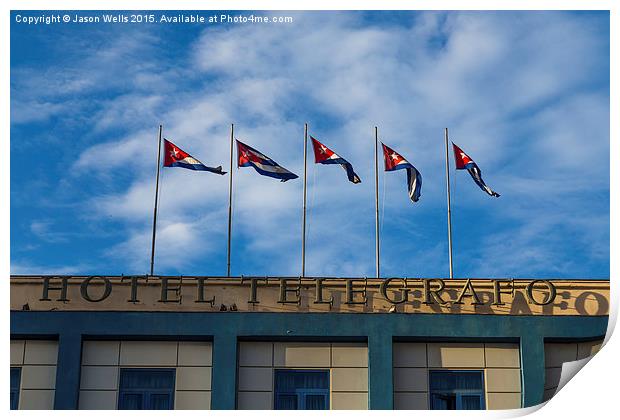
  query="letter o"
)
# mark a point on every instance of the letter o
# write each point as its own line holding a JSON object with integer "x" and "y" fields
{"x": 552, "y": 292}
{"x": 602, "y": 305}
{"x": 106, "y": 291}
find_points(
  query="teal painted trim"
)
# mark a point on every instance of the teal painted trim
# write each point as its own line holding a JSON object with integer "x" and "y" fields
{"x": 532, "y": 370}
{"x": 224, "y": 372}
{"x": 379, "y": 330}
{"x": 68, "y": 371}
{"x": 380, "y": 383}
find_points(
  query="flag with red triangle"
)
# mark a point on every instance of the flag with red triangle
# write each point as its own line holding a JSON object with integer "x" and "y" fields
{"x": 175, "y": 156}
{"x": 463, "y": 161}
{"x": 326, "y": 156}
{"x": 248, "y": 156}
{"x": 394, "y": 162}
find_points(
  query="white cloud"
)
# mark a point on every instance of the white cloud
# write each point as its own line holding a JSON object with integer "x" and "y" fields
{"x": 25, "y": 267}
{"x": 41, "y": 228}
{"x": 178, "y": 244}
{"x": 34, "y": 111}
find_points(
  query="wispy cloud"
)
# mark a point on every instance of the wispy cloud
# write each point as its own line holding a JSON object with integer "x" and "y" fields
{"x": 25, "y": 267}
{"x": 43, "y": 230}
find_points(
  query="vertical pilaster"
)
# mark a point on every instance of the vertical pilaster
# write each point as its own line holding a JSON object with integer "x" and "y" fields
{"x": 532, "y": 369}
{"x": 68, "y": 371}
{"x": 224, "y": 374}
{"x": 380, "y": 383}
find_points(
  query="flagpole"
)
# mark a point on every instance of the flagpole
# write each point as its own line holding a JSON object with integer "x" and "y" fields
{"x": 303, "y": 234}
{"x": 449, "y": 211}
{"x": 156, "y": 198}
{"x": 377, "y": 259}
{"x": 230, "y": 192}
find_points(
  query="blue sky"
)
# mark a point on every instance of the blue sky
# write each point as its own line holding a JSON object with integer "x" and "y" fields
{"x": 525, "y": 94}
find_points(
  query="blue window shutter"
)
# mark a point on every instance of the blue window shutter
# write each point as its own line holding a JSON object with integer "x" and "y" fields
{"x": 16, "y": 374}
{"x": 130, "y": 401}
{"x": 286, "y": 401}
{"x": 160, "y": 402}
{"x": 146, "y": 389}
{"x": 301, "y": 389}
{"x": 441, "y": 401}
{"x": 456, "y": 389}
{"x": 315, "y": 402}
{"x": 471, "y": 402}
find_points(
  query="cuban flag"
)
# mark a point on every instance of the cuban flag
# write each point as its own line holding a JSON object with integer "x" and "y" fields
{"x": 463, "y": 161}
{"x": 394, "y": 162}
{"x": 247, "y": 156}
{"x": 326, "y": 156}
{"x": 174, "y": 156}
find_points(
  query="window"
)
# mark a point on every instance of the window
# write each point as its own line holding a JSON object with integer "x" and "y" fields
{"x": 16, "y": 374}
{"x": 146, "y": 389}
{"x": 301, "y": 390}
{"x": 456, "y": 390}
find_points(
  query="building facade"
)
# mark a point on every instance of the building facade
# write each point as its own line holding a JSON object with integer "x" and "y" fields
{"x": 138, "y": 342}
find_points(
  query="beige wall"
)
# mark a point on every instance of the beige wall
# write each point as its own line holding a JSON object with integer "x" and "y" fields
{"x": 347, "y": 362}
{"x": 558, "y": 353}
{"x": 102, "y": 360}
{"x": 499, "y": 361}
{"x": 37, "y": 360}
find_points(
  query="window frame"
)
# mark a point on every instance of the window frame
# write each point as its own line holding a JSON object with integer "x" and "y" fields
{"x": 146, "y": 393}
{"x": 458, "y": 393}
{"x": 15, "y": 390}
{"x": 302, "y": 393}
